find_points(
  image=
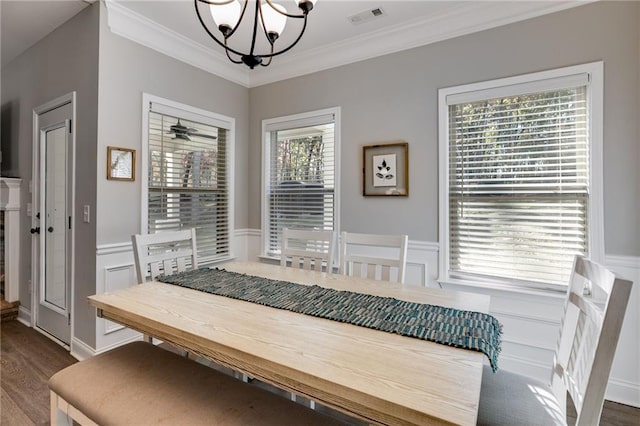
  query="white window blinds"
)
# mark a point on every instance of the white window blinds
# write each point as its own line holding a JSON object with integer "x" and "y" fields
{"x": 518, "y": 184}
{"x": 300, "y": 176}
{"x": 188, "y": 178}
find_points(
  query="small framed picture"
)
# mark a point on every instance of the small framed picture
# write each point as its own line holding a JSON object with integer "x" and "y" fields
{"x": 385, "y": 169}
{"x": 121, "y": 163}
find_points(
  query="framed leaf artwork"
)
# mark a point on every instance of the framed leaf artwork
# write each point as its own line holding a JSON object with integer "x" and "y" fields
{"x": 385, "y": 169}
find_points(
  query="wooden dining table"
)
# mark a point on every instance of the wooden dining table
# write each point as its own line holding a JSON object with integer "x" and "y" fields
{"x": 376, "y": 376}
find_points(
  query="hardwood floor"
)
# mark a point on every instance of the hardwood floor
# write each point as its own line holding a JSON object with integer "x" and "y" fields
{"x": 28, "y": 359}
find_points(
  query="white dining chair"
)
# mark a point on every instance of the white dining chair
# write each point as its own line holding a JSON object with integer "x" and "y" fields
{"x": 164, "y": 253}
{"x": 593, "y": 312}
{"x": 305, "y": 249}
{"x": 310, "y": 250}
{"x": 387, "y": 261}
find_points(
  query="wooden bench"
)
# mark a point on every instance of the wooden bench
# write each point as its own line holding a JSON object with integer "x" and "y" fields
{"x": 140, "y": 383}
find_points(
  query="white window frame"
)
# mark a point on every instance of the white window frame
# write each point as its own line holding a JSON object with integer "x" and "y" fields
{"x": 187, "y": 112}
{"x": 286, "y": 122}
{"x": 537, "y": 81}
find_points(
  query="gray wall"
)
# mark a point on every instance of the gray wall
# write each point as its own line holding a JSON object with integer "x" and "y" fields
{"x": 128, "y": 69}
{"x": 395, "y": 98}
{"x": 65, "y": 61}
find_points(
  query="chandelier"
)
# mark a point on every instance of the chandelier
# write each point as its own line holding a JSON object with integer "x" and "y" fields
{"x": 271, "y": 17}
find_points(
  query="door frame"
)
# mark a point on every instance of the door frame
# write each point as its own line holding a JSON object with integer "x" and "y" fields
{"x": 34, "y": 186}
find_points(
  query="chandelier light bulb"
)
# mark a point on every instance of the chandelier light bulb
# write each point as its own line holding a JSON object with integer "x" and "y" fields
{"x": 225, "y": 15}
{"x": 274, "y": 22}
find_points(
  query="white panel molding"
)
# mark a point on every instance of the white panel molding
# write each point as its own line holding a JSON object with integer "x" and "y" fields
{"x": 134, "y": 337}
{"x": 245, "y": 232}
{"x": 250, "y": 240}
{"x": 107, "y": 249}
{"x": 112, "y": 281}
{"x": 421, "y": 257}
{"x": 136, "y": 27}
{"x": 524, "y": 343}
{"x": 464, "y": 18}
{"x": 529, "y": 318}
{"x": 416, "y": 274}
{"x": 619, "y": 261}
{"x": 114, "y": 270}
{"x": 111, "y": 327}
{"x": 425, "y": 246}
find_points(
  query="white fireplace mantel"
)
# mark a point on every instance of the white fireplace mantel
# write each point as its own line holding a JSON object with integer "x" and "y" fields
{"x": 10, "y": 204}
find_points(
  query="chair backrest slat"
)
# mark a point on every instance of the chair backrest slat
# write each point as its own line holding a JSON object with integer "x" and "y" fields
{"x": 164, "y": 253}
{"x": 373, "y": 267}
{"x": 588, "y": 338}
{"x": 307, "y": 249}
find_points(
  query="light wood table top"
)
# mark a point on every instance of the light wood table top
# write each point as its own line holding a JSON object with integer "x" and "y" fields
{"x": 374, "y": 375}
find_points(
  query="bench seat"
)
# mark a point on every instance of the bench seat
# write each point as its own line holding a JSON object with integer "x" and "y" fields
{"x": 139, "y": 383}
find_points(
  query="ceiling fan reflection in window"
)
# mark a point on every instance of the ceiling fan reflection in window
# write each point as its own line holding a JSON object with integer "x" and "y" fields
{"x": 180, "y": 131}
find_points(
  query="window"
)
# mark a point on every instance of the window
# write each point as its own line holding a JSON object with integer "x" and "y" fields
{"x": 300, "y": 174}
{"x": 186, "y": 161}
{"x": 521, "y": 177}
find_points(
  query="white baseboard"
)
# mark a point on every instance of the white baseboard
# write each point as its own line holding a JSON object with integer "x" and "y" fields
{"x": 24, "y": 316}
{"x": 624, "y": 392}
{"x": 80, "y": 350}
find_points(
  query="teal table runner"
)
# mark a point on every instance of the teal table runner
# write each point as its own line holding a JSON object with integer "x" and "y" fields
{"x": 462, "y": 329}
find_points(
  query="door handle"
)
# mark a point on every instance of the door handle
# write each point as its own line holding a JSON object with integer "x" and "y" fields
{"x": 35, "y": 230}
{"x": 50, "y": 229}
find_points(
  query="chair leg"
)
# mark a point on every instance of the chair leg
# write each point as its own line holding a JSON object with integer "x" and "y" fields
{"x": 60, "y": 415}
{"x": 312, "y": 403}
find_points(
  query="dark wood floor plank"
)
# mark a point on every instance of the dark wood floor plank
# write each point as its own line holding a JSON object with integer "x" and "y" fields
{"x": 614, "y": 414}
{"x": 28, "y": 359}
{"x": 11, "y": 413}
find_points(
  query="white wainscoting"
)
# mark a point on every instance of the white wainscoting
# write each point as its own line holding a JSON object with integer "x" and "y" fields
{"x": 530, "y": 320}
{"x": 115, "y": 269}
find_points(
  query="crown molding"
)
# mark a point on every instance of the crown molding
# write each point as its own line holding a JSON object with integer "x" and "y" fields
{"x": 460, "y": 19}
{"x": 140, "y": 29}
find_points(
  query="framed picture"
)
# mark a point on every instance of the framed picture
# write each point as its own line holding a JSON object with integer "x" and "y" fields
{"x": 121, "y": 163}
{"x": 385, "y": 169}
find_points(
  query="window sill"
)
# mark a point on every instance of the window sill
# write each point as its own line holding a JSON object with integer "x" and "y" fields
{"x": 496, "y": 288}
{"x": 269, "y": 259}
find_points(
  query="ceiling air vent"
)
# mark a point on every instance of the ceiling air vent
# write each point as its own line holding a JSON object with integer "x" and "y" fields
{"x": 366, "y": 16}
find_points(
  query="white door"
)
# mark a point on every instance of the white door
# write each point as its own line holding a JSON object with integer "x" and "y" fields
{"x": 52, "y": 222}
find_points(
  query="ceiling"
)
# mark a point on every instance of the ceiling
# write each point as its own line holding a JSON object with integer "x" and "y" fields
{"x": 24, "y": 23}
{"x": 171, "y": 27}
